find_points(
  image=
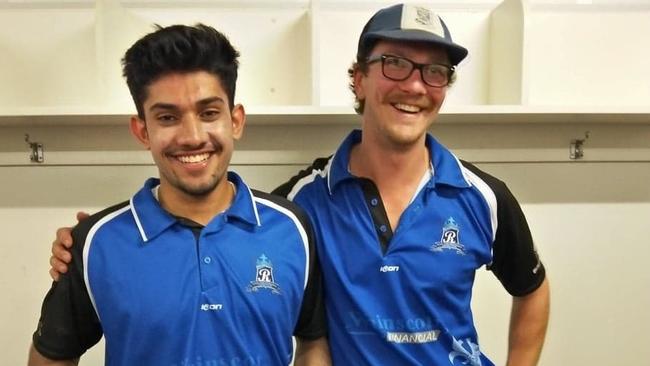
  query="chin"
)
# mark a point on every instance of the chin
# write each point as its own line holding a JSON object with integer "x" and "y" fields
{"x": 406, "y": 137}
{"x": 198, "y": 189}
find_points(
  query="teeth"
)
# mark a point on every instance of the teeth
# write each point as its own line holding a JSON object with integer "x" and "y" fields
{"x": 407, "y": 107}
{"x": 193, "y": 158}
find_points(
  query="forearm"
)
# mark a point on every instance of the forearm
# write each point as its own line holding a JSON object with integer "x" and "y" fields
{"x": 312, "y": 352}
{"x": 528, "y": 322}
{"x": 36, "y": 359}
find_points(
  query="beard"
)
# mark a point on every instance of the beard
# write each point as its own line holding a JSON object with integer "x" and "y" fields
{"x": 196, "y": 187}
{"x": 198, "y": 190}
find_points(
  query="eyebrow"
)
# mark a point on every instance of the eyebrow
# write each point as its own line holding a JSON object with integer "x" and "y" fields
{"x": 210, "y": 100}
{"x": 173, "y": 107}
{"x": 443, "y": 60}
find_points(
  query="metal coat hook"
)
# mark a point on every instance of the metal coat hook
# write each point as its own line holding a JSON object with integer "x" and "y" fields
{"x": 575, "y": 148}
{"x": 36, "y": 155}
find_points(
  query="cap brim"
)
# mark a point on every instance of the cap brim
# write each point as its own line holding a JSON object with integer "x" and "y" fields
{"x": 455, "y": 52}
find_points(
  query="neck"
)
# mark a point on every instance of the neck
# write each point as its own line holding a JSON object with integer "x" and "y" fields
{"x": 201, "y": 208}
{"x": 396, "y": 173}
{"x": 385, "y": 164}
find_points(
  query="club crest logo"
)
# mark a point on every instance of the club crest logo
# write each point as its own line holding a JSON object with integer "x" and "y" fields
{"x": 423, "y": 16}
{"x": 264, "y": 276}
{"x": 417, "y": 17}
{"x": 450, "y": 238}
{"x": 470, "y": 355}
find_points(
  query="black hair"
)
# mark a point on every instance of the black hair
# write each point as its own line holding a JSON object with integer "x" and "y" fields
{"x": 179, "y": 48}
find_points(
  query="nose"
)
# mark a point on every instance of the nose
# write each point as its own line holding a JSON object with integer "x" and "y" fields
{"x": 414, "y": 83}
{"x": 192, "y": 132}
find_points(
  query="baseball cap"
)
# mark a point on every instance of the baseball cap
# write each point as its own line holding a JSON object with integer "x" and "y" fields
{"x": 405, "y": 22}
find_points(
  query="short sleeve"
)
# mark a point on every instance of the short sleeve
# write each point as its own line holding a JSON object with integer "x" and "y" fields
{"x": 311, "y": 322}
{"x": 515, "y": 260}
{"x": 68, "y": 323}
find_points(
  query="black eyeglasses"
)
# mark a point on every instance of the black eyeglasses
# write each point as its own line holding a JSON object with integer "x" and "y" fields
{"x": 398, "y": 68}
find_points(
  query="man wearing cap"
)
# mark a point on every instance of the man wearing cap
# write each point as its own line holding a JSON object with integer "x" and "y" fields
{"x": 402, "y": 224}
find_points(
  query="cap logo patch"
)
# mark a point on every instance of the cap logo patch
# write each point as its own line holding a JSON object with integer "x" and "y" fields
{"x": 417, "y": 17}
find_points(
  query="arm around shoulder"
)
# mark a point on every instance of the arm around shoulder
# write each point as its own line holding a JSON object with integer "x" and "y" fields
{"x": 313, "y": 352}
{"x": 528, "y": 323}
{"x": 37, "y": 359}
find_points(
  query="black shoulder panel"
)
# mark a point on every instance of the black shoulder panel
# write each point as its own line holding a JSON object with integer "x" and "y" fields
{"x": 285, "y": 188}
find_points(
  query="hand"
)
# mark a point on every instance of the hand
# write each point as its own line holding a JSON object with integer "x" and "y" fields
{"x": 61, "y": 249}
{"x": 313, "y": 352}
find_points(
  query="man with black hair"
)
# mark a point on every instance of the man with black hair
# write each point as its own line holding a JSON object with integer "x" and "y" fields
{"x": 196, "y": 268}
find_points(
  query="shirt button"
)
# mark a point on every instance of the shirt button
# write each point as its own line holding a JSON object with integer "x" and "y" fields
{"x": 207, "y": 260}
{"x": 374, "y": 202}
{"x": 383, "y": 228}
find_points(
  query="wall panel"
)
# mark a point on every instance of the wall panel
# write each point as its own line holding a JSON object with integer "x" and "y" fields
{"x": 590, "y": 222}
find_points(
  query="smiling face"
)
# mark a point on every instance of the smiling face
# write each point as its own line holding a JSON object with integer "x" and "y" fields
{"x": 398, "y": 113}
{"x": 190, "y": 129}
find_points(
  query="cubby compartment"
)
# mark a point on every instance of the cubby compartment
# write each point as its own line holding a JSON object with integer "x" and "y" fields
{"x": 47, "y": 56}
{"x": 590, "y": 53}
{"x": 529, "y": 60}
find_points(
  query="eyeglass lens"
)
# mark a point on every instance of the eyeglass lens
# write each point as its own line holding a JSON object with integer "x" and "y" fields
{"x": 399, "y": 68}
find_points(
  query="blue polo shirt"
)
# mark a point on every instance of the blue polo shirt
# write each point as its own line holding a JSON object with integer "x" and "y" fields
{"x": 403, "y": 297}
{"x": 166, "y": 291}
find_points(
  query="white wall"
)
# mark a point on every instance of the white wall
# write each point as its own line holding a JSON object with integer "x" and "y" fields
{"x": 590, "y": 222}
{"x": 590, "y": 218}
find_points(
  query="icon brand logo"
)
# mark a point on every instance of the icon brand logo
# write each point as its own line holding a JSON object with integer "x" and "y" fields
{"x": 449, "y": 238}
{"x": 264, "y": 276}
{"x": 213, "y": 307}
{"x": 389, "y": 268}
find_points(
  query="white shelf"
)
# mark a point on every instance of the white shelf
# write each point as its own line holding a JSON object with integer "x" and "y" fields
{"x": 531, "y": 61}
{"x": 308, "y": 115}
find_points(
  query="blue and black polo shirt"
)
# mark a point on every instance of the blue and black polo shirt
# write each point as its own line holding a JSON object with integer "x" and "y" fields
{"x": 403, "y": 297}
{"x": 167, "y": 291}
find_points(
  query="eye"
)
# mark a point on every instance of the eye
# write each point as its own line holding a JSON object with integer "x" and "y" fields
{"x": 166, "y": 118}
{"x": 391, "y": 60}
{"x": 437, "y": 70}
{"x": 210, "y": 114}
{"x": 396, "y": 62}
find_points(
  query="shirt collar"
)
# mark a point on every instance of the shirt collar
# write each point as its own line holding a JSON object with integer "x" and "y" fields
{"x": 152, "y": 219}
{"x": 447, "y": 169}
{"x": 149, "y": 216}
{"x": 338, "y": 167}
{"x": 445, "y": 166}
{"x": 244, "y": 207}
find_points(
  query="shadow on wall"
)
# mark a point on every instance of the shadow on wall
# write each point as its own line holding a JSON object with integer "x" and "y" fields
{"x": 571, "y": 182}
{"x": 102, "y": 186}
{"x": 83, "y": 186}
{"x": 98, "y": 186}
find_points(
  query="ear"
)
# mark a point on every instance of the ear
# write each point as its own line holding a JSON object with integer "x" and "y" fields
{"x": 358, "y": 78}
{"x": 238, "y": 117}
{"x": 139, "y": 130}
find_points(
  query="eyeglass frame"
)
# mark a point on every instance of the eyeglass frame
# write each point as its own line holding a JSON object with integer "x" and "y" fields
{"x": 414, "y": 65}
